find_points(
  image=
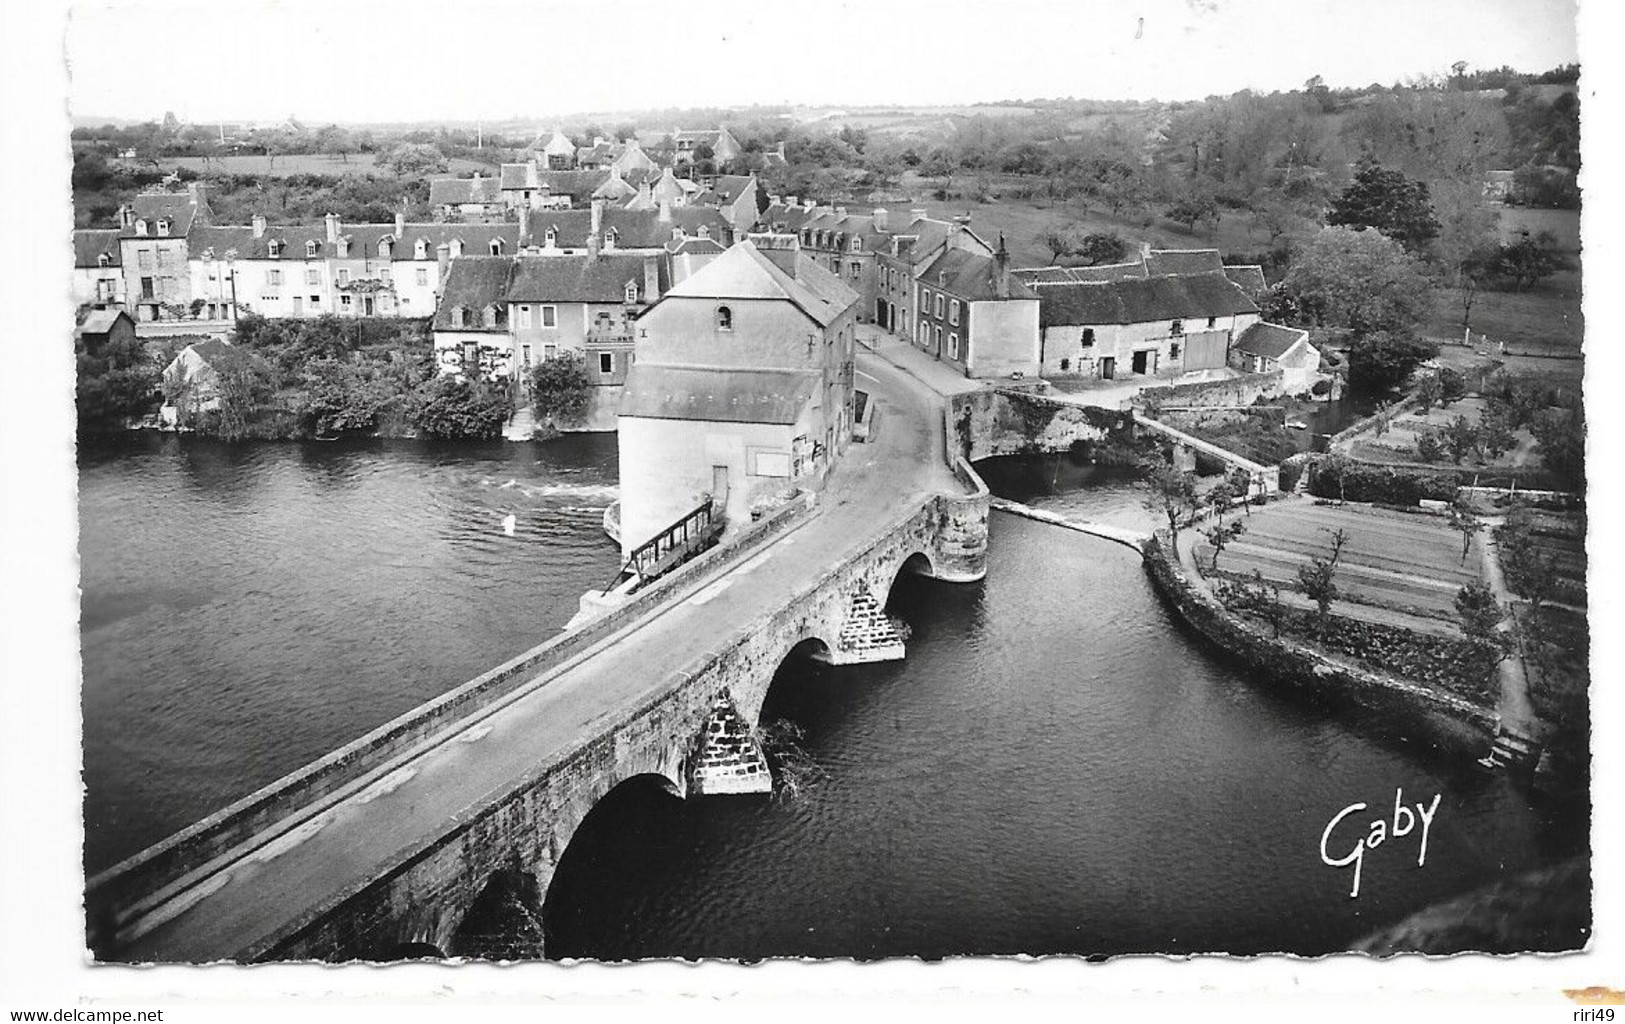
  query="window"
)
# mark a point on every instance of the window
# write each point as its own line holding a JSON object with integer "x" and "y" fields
{"x": 420, "y": 250}
{"x": 925, "y": 298}
{"x": 855, "y": 270}
{"x": 310, "y": 250}
{"x": 146, "y": 288}
{"x": 551, "y": 237}
{"x": 496, "y": 247}
{"x": 143, "y": 259}
{"x": 384, "y": 276}
{"x": 383, "y": 248}
{"x": 1212, "y": 322}
{"x": 459, "y": 316}
{"x": 631, "y": 291}
{"x": 1088, "y": 337}
{"x": 1173, "y": 351}
{"x": 524, "y": 321}
{"x": 103, "y": 260}
{"x": 166, "y": 258}
{"x": 344, "y": 302}
{"x": 1177, "y": 328}
{"x": 606, "y": 362}
{"x": 953, "y": 345}
{"x": 953, "y": 311}
{"x": 315, "y": 300}
{"x": 343, "y": 274}
{"x": 550, "y": 316}
{"x": 936, "y": 336}
{"x": 524, "y": 354}
{"x": 273, "y": 276}
{"x": 1066, "y": 364}
{"x": 857, "y": 244}
{"x": 273, "y": 248}
{"x": 313, "y": 277}
{"x": 550, "y": 351}
{"x": 936, "y": 308}
{"x": 163, "y": 226}
{"x": 725, "y": 318}
{"x": 423, "y": 277}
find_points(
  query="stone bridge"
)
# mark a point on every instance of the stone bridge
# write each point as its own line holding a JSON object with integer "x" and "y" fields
{"x": 1265, "y": 479}
{"x": 379, "y": 850}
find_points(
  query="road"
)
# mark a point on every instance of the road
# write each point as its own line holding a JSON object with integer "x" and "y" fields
{"x": 238, "y": 902}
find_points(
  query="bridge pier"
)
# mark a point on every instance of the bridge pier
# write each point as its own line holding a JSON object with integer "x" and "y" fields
{"x": 867, "y": 635}
{"x": 729, "y": 758}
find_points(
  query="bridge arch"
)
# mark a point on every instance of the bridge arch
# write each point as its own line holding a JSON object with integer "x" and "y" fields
{"x": 646, "y": 803}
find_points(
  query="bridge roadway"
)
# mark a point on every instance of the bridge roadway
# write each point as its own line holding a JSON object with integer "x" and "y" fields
{"x": 240, "y": 904}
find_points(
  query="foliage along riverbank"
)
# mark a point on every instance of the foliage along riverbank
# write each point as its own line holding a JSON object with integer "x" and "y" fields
{"x": 301, "y": 379}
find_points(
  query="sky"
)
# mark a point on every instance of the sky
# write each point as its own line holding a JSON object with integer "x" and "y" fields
{"x": 410, "y": 60}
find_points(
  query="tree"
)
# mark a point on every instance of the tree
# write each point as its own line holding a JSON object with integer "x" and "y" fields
{"x": 1192, "y": 208}
{"x": 1101, "y": 247}
{"x": 560, "y": 387}
{"x": 1560, "y": 438}
{"x": 1061, "y": 242}
{"x": 341, "y": 396}
{"x": 1479, "y": 611}
{"x": 1173, "y": 494}
{"x": 413, "y": 159}
{"x": 1452, "y": 386}
{"x": 1530, "y": 260}
{"x": 1267, "y": 599}
{"x": 1386, "y": 359}
{"x": 1429, "y": 445}
{"x": 1463, "y": 521}
{"x": 1389, "y": 202}
{"x": 1319, "y": 579}
{"x": 244, "y": 383}
{"x": 1360, "y": 280}
{"x": 1460, "y": 438}
{"x": 1221, "y": 534}
{"x": 1429, "y": 392}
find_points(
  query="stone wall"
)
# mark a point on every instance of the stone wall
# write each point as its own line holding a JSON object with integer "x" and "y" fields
{"x": 1242, "y": 390}
{"x": 1442, "y": 718}
{"x": 1195, "y": 419}
{"x": 992, "y": 422}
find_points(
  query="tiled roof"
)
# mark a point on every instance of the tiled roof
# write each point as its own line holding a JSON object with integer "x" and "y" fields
{"x": 1162, "y": 262}
{"x": 744, "y": 272}
{"x": 717, "y": 396}
{"x": 972, "y": 276}
{"x": 176, "y": 207}
{"x": 518, "y": 176}
{"x": 210, "y": 349}
{"x": 474, "y": 283}
{"x": 90, "y": 243}
{"x": 695, "y": 247}
{"x": 733, "y": 185}
{"x": 453, "y": 191}
{"x": 1269, "y": 340}
{"x": 1249, "y": 279}
{"x": 100, "y": 321}
{"x": 580, "y": 278}
{"x": 1141, "y": 300}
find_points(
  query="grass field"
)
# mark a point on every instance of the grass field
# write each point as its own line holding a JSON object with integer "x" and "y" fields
{"x": 1565, "y": 224}
{"x": 1409, "y": 564}
{"x": 1546, "y": 319}
{"x": 313, "y": 163}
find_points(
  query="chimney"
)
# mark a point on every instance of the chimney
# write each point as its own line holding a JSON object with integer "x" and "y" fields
{"x": 773, "y": 200}
{"x": 199, "y": 191}
{"x": 442, "y": 255}
{"x": 794, "y": 201}
{"x": 1145, "y": 250}
{"x": 126, "y": 216}
{"x": 665, "y": 211}
{"x": 259, "y": 225}
{"x": 916, "y": 214}
{"x": 524, "y": 225}
{"x": 332, "y": 220}
{"x": 1001, "y": 272}
{"x": 595, "y": 235}
{"x": 840, "y": 213}
{"x": 400, "y": 224}
{"x": 880, "y": 220}
{"x": 962, "y": 219}
{"x": 651, "y": 278}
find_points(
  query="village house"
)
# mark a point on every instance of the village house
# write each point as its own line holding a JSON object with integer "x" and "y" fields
{"x": 467, "y": 199}
{"x": 911, "y": 248}
{"x": 1266, "y": 348}
{"x": 585, "y": 304}
{"x": 742, "y": 391}
{"x": 848, "y": 245}
{"x": 153, "y": 251}
{"x": 98, "y": 273}
{"x": 191, "y": 381}
{"x": 686, "y": 145}
{"x": 1141, "y": 327}
{"x": 471, "y": 324}
{"x": 554, "y": 153}
{"x": 104, "y": 327}
{"x": 976, "y": 317}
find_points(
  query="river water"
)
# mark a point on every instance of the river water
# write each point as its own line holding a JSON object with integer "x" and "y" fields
{"x": 1057, "y": 766}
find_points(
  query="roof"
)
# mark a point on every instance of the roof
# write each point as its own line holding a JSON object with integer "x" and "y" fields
{"x": 578, "y": 278}
{"x": 634, "y": 229}
{"x": 92, "y": 243}
{"x": 473, "y": 282}
{"x": 695, "y": 247}
{"x": 1141, "y": 300}
{"x": 518, "y": 176}
{"x": 1249, "y": 278}
{"x": 1269, "y": 340}
{"x": 733, "y": 185}
{"x": 176, "y": 207}
{"x": 210, "y": 349}
{"x": 100, "y": 321}
{"x": 973, "y": 276}
{"x": 451, "y": 191}
{"x": 720, "y": 396}
{"x": 1161, "y": 262}
{"x": 743, "y": 272}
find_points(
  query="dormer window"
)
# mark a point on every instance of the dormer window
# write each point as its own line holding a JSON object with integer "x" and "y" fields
{"x": 631, "y": 292}
{"x": 420, "y": 250}
{"x": 310, "y": 250}
{"x": 496, "y": 247}
{"x": 705, "y": 232}
{"x": 459, "y": 316}
{"x": 140, "y": 227}
{"x": 725, "y": 318}
{"x": 551, "y": 237}
{"x": 456, "y": 248}
{"x": 344, "y": 248}
{"x": 273, "y": 248}
{"x": 104, "y": 260}
{"x": 609, "y": 239}
{"x": 384, "y": 246}
{"x": 494, "y": 316}
{"x": 163, "y": 226}
{"x": 857, "y": 244}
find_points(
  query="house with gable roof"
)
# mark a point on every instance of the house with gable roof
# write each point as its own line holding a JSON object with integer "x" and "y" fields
{"x": 742, "y": 391}
{"x": 478, "y": 198}
{"x": 153, "y": 250}
{"x": 1265, "y": 348}
{"x": 98, "y": 273}
{"x": 686, "y": 145}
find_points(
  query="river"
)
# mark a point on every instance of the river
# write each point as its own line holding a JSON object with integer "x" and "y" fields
{"x": 1056, "y": 766}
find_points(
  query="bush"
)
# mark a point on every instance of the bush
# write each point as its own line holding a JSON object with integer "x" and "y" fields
{"x": 560, "y": 387}
{"x": 454, "y": 409}
{"x": 1291, "y": 470}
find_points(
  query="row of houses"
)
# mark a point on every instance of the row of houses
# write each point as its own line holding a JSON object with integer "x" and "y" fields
{"x": 168, "y": 256}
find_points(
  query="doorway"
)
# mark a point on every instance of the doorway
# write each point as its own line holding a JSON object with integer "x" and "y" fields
{"x": 1145, "y": 361}
{"x": 1108, "y": 368}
